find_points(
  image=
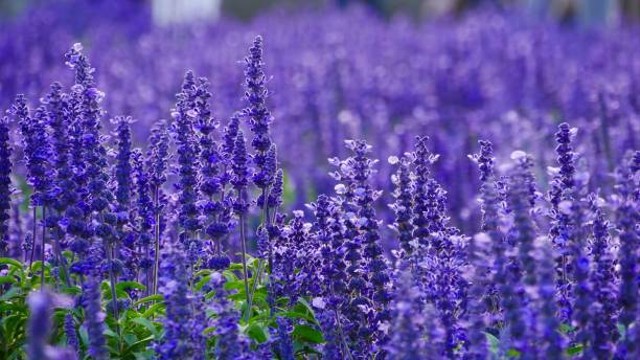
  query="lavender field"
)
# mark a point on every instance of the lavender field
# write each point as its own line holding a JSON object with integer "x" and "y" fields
{"x": 318, "y": 184}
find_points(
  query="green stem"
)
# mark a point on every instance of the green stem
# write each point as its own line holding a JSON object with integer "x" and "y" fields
{"x": 44, "y": 231}
{"x": 258, "y": 275}
{"x": 156, "y": 263}
{"x": 33, "y": 237}
{"x": 244, "y": 259}
{"x": 112, "y": 280}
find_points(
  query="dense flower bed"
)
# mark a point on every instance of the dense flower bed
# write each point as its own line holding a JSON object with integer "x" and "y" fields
{"x": 189, "y": 238}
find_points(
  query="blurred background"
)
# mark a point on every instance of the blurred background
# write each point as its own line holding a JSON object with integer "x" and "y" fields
{"x": 176, "y": 11}
{"x": 384, "y": 70}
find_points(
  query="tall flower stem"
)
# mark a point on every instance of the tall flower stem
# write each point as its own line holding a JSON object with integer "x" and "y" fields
{"x": 156, "y": 265}
{"x": 258, "y": 275}
{"x": 243, "y": 243}
{"x": 63, "y": 263}
{"x": 33, "y": 236}
{"x": 44, "y": 232}
{"x": 112, "y": 280}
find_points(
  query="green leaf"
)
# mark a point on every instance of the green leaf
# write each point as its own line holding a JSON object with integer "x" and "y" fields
{"x": 145, "y": 355}
{"x": 130, "y": 339}
{"x": 575, "y": 350}
{"x": 9, "y": 261}
{"x": 203, "y": 272}
{"x": 147, "y": 324}
{"x": 257, "y": 332}
{"x": 110, "y": 333}
{"x": 84, "y": 336}
{"x": 153, "y": 310}
{"x": 622, "y": 330}
{"x": 11, "y": 293}
{"x": 494, "y": 343}
{"x": 305, "y": 308}
{"x": 307, "y": 333}
{"x": 129, "y": 285}
{"x": 151, "y": 298}
{"x": 565, "y": 328}
{"x": 74, "y": 290}
{"x": 234, "y": 285}
{"x": 297, "y": 315}
{"x": 235, "y": 266}
{"x": 8, "y": 280}
{"x": 202, "y": 282}
{"x": 139, "y": 345}
{"x": 513, "y": 353}
{"x": 209, "y": 330}
{"x": 230, "y": 275}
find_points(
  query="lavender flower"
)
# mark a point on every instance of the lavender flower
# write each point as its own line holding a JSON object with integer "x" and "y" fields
{"x": 74, "y": 221}
{"x": 58, "y": 114}
{"x": 402, "y": 207}
{"x": 479, "y": 258}
{"x": 407, "y": 324}
{"x": 187, "y": 150}
{"x": 240, "y": 174}
{"x": 123, "y": 193}
{"x": 122, "y": 171}
{"x": 213, "y": 178}
{"x": 522, "y": 234}
{"x": 63, "y": 191}
{"x": 429, "y": 197}
{"x": 627, "y": 216}
{"x": 333, "y": 253}
{"x": 547, "y": 327}
{"x": 87, "y": 102}
{"x": 376, "y": 265}
{"x": 561, "y": 189}
{"x": 422, "y": 160}
{"x": 356, "y": 306}
{"x": 582, "y": 287}
{"x": 321, "y": 230}
{"x": 94, "y": 317}
{"x": 270, "y": 166}
{"x": 81, "y": 66}
{"x": 521, "y": 271}
{"x": 144, "y": 221}
{"x": 230, "y": 135}
{"x": 333, "y": 342}
{"x": 70, "y": 332}
{"x": 229, "y": 344}
{"x": 259, "y": 116}
{"x": 603, "y": 279}
{"x": 36, "y": 150}
{"x": 490, "y": 207}
{"x": 275, "y": 196}
{"x": 241, "y": 204}
{"x": 39, "y": 324}
{"x": 157, "y": 159}
{"x": 290, "y": 254}
{"x": 158, "y": 154}
{"x": 178, "y": 342}
{"x": 37, "y": 153}
{"x": 306, "y": 250}
{"x": 285, "y": 345}
{"x": 438, "y": 254}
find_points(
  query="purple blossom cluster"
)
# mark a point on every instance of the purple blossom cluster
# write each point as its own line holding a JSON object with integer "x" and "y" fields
{"x": 188, "y": 239}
